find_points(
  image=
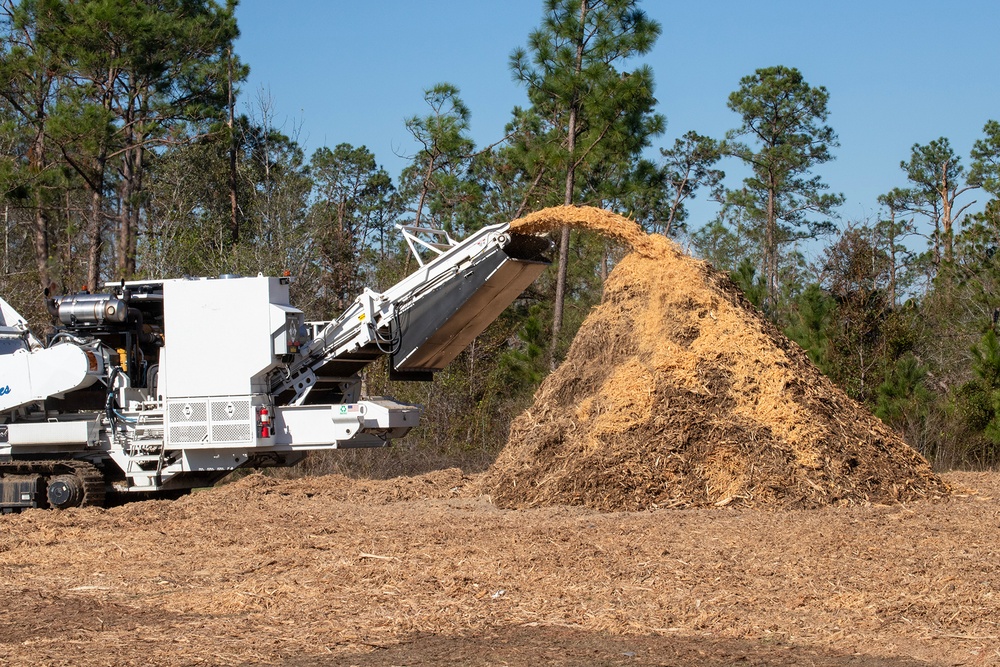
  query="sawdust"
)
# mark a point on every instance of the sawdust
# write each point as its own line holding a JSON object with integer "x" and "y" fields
{"x": 677, "y": 392}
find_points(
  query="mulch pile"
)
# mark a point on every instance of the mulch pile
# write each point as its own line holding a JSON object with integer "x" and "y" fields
{"x": 677, "y": 392}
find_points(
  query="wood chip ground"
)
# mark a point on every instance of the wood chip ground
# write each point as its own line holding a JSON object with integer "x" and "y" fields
{"x": 421, "y": 571}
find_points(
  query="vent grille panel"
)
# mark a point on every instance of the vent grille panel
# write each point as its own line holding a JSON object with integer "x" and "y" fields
{"x": 211, "y": 421}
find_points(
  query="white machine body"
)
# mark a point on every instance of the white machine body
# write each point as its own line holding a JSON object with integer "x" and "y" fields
{"x": 165, "y": 385}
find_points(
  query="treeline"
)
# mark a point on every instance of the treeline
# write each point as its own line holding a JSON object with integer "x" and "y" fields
{"x": 123, "y": 156}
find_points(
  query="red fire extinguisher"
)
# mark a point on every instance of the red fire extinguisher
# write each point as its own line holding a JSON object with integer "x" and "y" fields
{"x": 264, "y": 419}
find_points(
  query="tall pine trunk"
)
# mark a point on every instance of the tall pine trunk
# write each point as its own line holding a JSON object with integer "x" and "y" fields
{"x": 95, "y": 227}
{"x": 40, "y": 223}
{"x": 234, "y": 221}
{"x": 562, "y": 269}
{"x": 128, "y": 218}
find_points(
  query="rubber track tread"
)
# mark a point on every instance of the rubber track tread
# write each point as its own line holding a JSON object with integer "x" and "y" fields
{"x": 89, "y": 475}
{"x": 93, "y": 482}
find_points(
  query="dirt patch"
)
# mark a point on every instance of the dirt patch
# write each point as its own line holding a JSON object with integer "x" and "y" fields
{"x": 677, "y": 392}
{"x": 562, "y": 647}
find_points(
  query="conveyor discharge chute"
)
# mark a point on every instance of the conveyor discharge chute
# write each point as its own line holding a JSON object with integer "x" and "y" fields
{"x": 436, "y": 327}
{"x": 425, "y": 320}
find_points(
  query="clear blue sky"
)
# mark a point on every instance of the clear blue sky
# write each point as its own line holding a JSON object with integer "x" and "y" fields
{"x": 898, "y": 72}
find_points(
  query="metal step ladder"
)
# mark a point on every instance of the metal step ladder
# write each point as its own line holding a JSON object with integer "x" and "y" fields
{"x": 149, "y": 439}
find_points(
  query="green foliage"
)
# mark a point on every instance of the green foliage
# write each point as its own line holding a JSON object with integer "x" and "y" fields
{"x": 856, "y": 274}
{"x": 354, "y": 203}
{"x": 903, "y": 395}
{"x": 568, "y": 69}
{"x": 985, "y": 171}
{"x": 905, "y": 402}
{"x": 586, "y": 114}
{"x": 523, "y": 364}
{"x": 978, "y": 400}
{"x": 746, "y": 277}
{"x": 936, "y": 175}
{"x": 890, "y": 234}
{"x": 930, "y": 167}
{"x": 785, "y": 117}
{"x": 187, "y": 230}
{"x": 590, "y": 120}
{"x": 96, "y": 86}
{"x": 811, "y": 322}
{"x": 986, "y": 361}
{"x": 642, "y": 196}
{"x": 689, "y": 166}
{"x": 438, "y": 185}
{"x": 727, "y": 241}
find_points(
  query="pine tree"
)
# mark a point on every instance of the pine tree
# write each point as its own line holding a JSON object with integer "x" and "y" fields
{"x": 784, "y": 117}
{"x": 595, "y": 112}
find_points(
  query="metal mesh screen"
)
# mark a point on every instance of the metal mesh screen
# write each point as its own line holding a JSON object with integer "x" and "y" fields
{"x": 189, "y": 433}
{"x": 191, "y": 411}
{"x": 231, "y": 432}
{"x": 235, "y": 410}
{"x": 211, "y": 421}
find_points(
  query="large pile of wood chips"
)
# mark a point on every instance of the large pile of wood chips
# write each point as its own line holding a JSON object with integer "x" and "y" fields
{"x": 677, "y": 392}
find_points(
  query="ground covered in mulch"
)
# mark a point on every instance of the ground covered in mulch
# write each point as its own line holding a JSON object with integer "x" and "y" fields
{"x": 677, "y": 392}
{"x": 423, "y": 571}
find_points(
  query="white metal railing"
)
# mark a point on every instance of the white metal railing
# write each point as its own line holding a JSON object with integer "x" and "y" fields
{"x": 412, "y": 235}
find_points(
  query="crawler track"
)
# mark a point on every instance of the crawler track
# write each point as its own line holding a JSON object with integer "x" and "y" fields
{"x": 87, "y": 477}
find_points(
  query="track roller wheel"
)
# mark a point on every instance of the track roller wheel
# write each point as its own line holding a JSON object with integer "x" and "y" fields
{"x": 50, "y": 483}
{"x": 65, "y": 491}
